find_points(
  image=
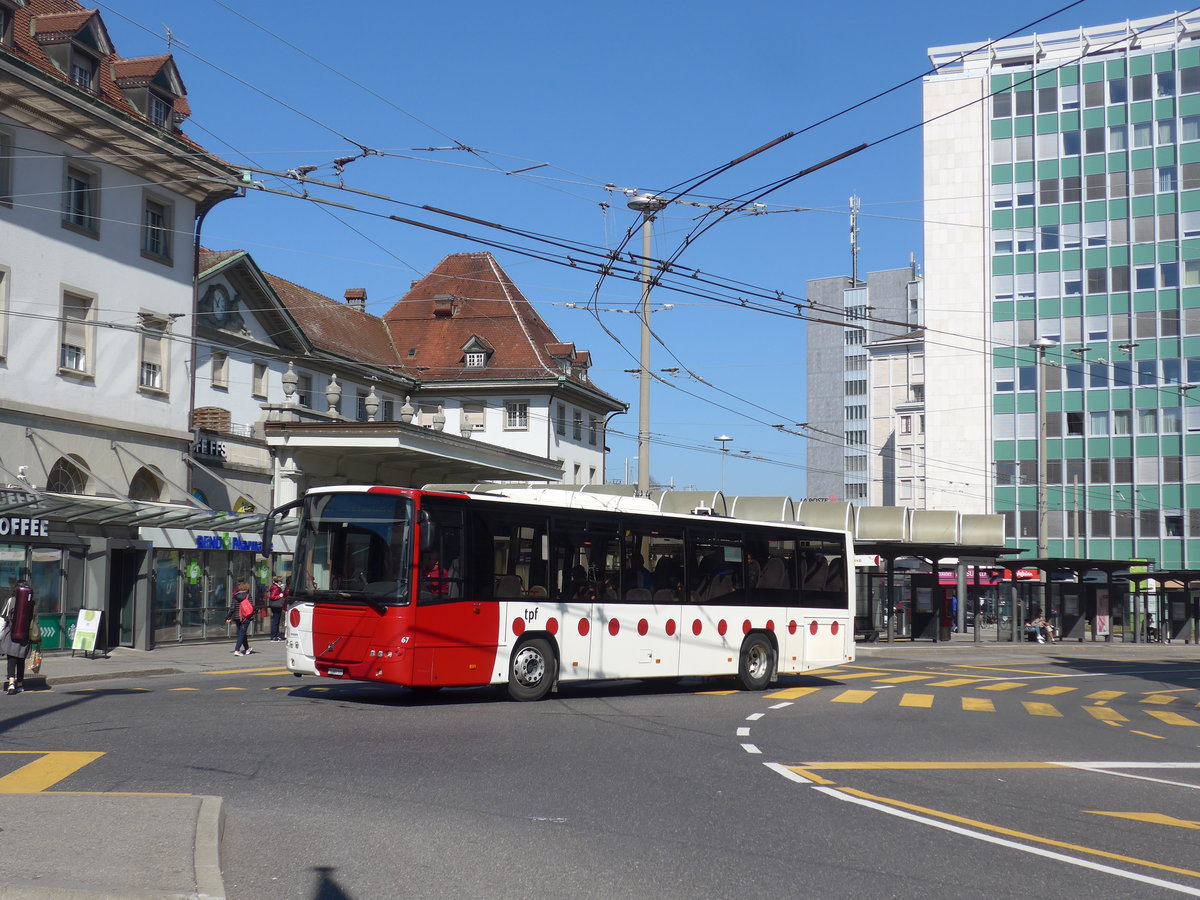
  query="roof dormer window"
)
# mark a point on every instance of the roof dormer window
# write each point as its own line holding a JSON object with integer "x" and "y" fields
{"x": 158, "y": 111}
{"x": 6, "y": 21}
{"x": 476, "y": 359}
{"x": 83, "y": 71}
{"x": 476, "y": 353}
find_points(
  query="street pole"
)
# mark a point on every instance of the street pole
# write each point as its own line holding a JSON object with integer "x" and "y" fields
{"x": 1041, "y": 345}
{"x": 647, "y": 205}
{"x": 723, "y": 439}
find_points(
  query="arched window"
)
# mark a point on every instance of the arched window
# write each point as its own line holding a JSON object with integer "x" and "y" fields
{"x": 145, "y": 485}
{"x": 66, "y": 477}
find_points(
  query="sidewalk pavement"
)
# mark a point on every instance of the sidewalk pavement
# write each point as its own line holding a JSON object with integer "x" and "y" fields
{"x": 140, "y": 845}
{"x": 109, "y": 845}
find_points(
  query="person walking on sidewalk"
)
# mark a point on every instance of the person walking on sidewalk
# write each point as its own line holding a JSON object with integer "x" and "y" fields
{"x": 276, "y": 600}
{"x": 241, "y": 611}
{"x": 14, "y": 634}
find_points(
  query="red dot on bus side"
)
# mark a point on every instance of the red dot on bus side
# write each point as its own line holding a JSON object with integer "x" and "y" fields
{"x": 722, "y": 627}
{"x": 613, "y": 626}
{"x": 770, "y": 624}
{"x": 697, "y": 627}
{"x": 792, "y": 627}
{"x": 745, "y": 626}
{"x": 812, "y": 627}
{"x": 834, "y": 628}
{"x": 552, "y": 625}
{"x": 518, "y": 626}
{"x": 584, "y": 626}
{"x": 670, "y": 627}
{"x": 643, "y": 627}
{"x": 294, "y": 618}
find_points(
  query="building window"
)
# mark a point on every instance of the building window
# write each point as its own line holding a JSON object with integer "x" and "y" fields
{"x": 76, "y": 334}
{"x": 156, "y": 230}
{"x": 258, "y": 387}
{"x": 577, "y": 426}
{"x": 516, "y": 415}
{"x": 81, "y": 200}
{"x": 304, "y": 392}
{"x": 65, "y": 477}
{"x": 476, "y": 359}
{"x": 561, "y": 420}
{"x": 153, "y": 354}
{"x": 158, "y": 111}
{"x": 83, "y": 71}
{"x": 593, "y": 430}
{"x": 6, "y": 164}
{"x": 3, "y": 312}
{"x": 473, "y": 416}
{"x": 220, "y": 370}
{"x": 906, "y": 424}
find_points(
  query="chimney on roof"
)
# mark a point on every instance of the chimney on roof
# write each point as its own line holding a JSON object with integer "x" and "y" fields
{"x": 357, "y": 298}
{"x": 443, "y": 306}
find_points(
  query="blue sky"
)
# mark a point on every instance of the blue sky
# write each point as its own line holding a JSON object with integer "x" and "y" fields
{"x": 638, "y": 95}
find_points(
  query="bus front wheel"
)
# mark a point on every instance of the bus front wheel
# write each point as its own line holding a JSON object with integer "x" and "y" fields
{"x": 531, "y": 670}
{"x": 756, "y": 663}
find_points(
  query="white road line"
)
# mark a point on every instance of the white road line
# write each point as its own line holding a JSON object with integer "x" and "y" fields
{"x": 750, "y": 748}
{"x": 783, "y": 705}
{"x": 1166, "y": 781}
{"x": 1136, "y": 764}
{"x": 1013, "y": 845}
{"x": 754, "y": 717}
{"x": 743, "y": 732}
{"x": 781, "y": 769}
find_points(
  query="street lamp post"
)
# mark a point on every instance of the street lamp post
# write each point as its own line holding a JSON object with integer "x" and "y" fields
{"x": 647, "y": 205}
{"x": 1041, "y": 345}
{"x": 723, "y": 439}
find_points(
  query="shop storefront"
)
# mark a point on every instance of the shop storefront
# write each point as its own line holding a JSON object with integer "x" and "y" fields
{"x": 31, "y": 548}
{"x": 194, "y": 573}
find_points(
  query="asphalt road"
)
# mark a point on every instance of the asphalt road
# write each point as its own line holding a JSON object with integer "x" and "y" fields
{"x": 885, "y": 778}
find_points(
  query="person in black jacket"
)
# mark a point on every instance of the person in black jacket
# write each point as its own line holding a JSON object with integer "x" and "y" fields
{"x": 241, "y": 611}
{"x": 14, "y": 634}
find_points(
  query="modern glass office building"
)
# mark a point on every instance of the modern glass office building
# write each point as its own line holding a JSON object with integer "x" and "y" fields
{"x": 1062, "y": 190}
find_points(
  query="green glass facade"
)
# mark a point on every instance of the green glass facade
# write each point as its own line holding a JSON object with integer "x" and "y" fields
{"x": 1095, "y": 215}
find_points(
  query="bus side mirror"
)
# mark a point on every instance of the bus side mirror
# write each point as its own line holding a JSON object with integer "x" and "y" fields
{"x": 269, "y": 525}
{"x": 428, "y": 531}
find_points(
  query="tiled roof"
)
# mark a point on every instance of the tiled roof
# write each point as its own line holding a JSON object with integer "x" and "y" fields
{"x": 211, "y": 258}
{"x": 336, "y": 327}
{"x": 41, "y": 21}
{"x": 484, "y": 302}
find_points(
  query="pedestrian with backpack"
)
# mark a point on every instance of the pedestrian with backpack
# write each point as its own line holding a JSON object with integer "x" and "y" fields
{"x": 16, "y": 622}
{"x": 241, "y": 611}
{"x": 276, "y": 601}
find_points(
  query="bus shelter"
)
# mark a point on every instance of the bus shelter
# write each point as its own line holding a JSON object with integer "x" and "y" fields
{"x": 1084, "y": 599}
{"x": 1164, "y": 606}
{"x": 921, "y": 606}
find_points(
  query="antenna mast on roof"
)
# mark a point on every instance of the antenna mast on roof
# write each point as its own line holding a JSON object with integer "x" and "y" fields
{"x": 854, "y": 204}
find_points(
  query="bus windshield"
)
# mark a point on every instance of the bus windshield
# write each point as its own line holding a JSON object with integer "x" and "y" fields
{"x": 354, "y": 547}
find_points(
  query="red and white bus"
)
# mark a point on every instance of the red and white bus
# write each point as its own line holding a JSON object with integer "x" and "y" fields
{"x": 531, "y": 587}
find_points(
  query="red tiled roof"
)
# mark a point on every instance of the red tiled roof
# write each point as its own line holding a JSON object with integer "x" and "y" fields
{"x": 336, "y": 327}
{"x": 210, "y": 258}
{"x": 41, "y": 19}
{"x": 486, "y": 304}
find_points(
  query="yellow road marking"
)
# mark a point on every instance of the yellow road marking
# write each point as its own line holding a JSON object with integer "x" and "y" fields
{"x": 954, "y": 682}
{"x": 46, "y": 771}
{"x": 917, "y": 701}
{"x": 791, "y": 693}
{"x": 1041, "y": 709}
{"x": 820, "y": 671}
{"x": 1004, "y": 669}
{"x": 1171, "y": 718}
{"x": 932, "y": 673}
{"x": 271, "y": 673}
{"x": 231, "y": 689}
{"x": 1152, "y": 818}
{"x": 1148, "y": 734}
{"x": 902, "y": 679}
{"x": 1170, "y": 691}
{"x": 184, "y": 689}
{"x": 1105, "y": 714}
{"x": 1053, "y": 691}
{"x": 1106, "y": 695}
{"x": 1001, "y": 686}
{"x": 858, "y": 675}
{"x": 854, "y": 696}
{"x": 978, "y": 704}
{"x": 702, "y": 693}
{"x": 1009, "y": 832}
{"x": 247, "y": 671}
{"x": 1160, "y": 699}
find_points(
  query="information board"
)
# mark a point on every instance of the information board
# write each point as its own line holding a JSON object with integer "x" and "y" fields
{"x": 87, "y": 626}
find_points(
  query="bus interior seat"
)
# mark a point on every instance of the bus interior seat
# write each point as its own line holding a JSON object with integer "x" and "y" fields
{"x": 816, "y": 572}
{"x": 835, "y": 580}
{"x": 774, "y": 575}
{"x": 665, "y": 595}
{"x": 638, "y": 595}
{"x": 538, "y": 591}
{"x": 508, "y": 587}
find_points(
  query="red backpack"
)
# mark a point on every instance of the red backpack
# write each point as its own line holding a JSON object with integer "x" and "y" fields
{"x": 247, "y": 608}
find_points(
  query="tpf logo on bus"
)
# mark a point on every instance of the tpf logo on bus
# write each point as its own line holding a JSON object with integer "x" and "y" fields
{"x": 531, "y": 615}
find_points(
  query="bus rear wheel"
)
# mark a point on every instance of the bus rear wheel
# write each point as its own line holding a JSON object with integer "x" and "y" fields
{"x": 756, "y": 663}
{"x": 531, "y": 670}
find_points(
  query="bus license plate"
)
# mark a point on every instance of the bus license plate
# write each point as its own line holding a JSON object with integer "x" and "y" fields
{"x": 335, "y": 672}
